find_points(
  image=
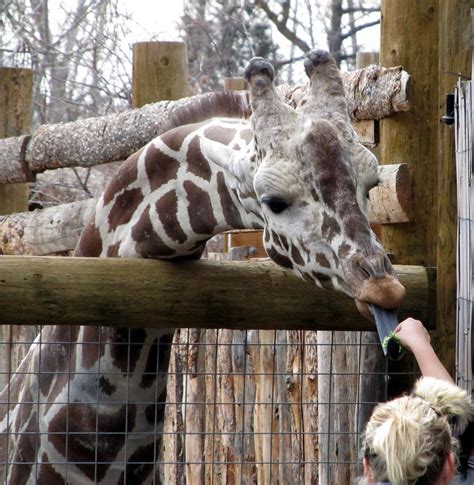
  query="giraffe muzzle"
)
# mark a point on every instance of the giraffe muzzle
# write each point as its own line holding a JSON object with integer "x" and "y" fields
{"x": 372, "y": 279}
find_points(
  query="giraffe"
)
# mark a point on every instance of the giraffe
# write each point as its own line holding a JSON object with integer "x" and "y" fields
{"x": 95, "y": 412}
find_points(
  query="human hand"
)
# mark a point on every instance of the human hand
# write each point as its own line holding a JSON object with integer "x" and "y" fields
{"x": 412, "y": 334}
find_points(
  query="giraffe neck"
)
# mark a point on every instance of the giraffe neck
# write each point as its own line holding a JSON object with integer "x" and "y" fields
{"x": 165, "y": 202}
{"x": 169, "y": 199}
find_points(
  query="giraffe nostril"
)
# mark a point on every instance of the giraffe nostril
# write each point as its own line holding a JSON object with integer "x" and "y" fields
{"x": 365, "y": 273}
{"x": 361, "y": 268}
{"x": 387, "y": 264}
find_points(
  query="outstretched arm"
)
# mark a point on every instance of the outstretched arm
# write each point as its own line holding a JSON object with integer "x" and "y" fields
{"x": 414, "y": 336}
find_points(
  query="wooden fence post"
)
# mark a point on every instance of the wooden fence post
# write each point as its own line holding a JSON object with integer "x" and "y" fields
{"x": 160, "y": 72}
{"x": 454, "y": 57}
{"x": 410, "y": 38}
{"x": 15, "y": 119}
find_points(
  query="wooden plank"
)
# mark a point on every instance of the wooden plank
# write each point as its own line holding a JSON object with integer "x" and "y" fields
{"x": 92, "y": 291}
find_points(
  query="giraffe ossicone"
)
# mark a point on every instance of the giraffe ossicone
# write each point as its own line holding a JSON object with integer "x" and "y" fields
{"x": 299, "y": 174}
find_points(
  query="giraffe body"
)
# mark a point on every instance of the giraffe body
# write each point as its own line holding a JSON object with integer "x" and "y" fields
{"x": 298, "y": 174}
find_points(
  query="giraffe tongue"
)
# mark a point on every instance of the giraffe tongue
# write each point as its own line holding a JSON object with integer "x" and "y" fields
{"x": 386, "y": 322}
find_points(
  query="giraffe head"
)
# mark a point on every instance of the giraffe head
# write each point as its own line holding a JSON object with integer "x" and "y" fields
{"x": 310, "y": 178}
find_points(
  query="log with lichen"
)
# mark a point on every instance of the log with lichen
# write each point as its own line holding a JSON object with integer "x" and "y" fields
{"x": 372, "y": 93}
{"x": 57, "y": 229}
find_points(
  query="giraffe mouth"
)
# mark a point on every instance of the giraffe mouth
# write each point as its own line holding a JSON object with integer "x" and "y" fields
{"x": 386, "y": 292}
{"x": 363, "y": 308}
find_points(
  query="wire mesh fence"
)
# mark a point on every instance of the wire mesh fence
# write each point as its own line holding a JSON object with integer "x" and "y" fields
{"x": 465, "y": 243}
{"x": 239, "y": 406}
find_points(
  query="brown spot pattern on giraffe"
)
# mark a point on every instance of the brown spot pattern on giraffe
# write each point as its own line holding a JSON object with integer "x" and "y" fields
{"x": 246, "y": 135}
{"x": 126, "y": 174}
{"x": 90, "y": 242}
{"x": 167, "y": 209}
{"x": 231, "y": 212}
{"x": 141, "y": 463}
{"x": 174, "y": 138}
{"x": 279, "y": 258}
{"x": 220, "y": 134}
{"x": 344, "y": 250}
{"x": 296, "y": 256}
{"x": 155, "y": 413}
{"x": 201, "y": 215}
{"x": 106, "y": 386}
{"x": 55, "y": 356}
{"x": 322, "y": 260}
{"x": 330, "y": 227}
{"x": 113, "y": 250}
{"x": 25, "y": 408}
{"x": 159, "y": 354}
{"x": 284, "y": 242}
{"x": 47, "y": 474}
{"x": 127, "y": 348}
{"x": 89, "y": 350}
{"x": 159, "y": 167}
{"x": 81, "y": 448}
{"x": 124, "y": 207}
{"x": 324, "y": 279}
{"x": 197, "y": 163}
{"x": 314, "y": 194}
{"x": 148, "y": 243}
{"x": 24, "y": 456}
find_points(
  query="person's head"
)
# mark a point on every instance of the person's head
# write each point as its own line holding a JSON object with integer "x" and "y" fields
{"x": 409, "y": 440}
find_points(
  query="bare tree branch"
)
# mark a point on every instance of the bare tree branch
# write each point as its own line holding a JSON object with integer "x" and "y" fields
{"x": 360, "y": 9}
{"x": 358, "y": 28}
{"x": 282, "y": 26}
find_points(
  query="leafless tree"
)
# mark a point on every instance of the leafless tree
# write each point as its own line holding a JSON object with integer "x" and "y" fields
{"x": 222, "y": 35}
{"x": 81, "y": 69}
{"x": 299, "y": 21}
{"x": 75, "y": 53}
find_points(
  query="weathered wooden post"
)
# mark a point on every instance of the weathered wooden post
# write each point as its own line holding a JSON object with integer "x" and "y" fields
{"x": 16, "y": 86}
{"x": 454, "y": 57}
{"x": 410, "y": 37}
{"x": 15, "y": 119}
{"x": 160, "y": 72}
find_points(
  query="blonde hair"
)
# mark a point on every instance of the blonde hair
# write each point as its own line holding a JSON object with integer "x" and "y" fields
{"x": 408, "y": 439}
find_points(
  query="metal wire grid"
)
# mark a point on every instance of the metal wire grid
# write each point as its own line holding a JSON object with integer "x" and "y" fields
{"x": 465, "y": 243}
{"x": 242, "y": 406}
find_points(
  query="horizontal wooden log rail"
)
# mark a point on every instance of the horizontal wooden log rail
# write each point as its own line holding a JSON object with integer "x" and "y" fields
{"x": 373, "y": 92}
{"x": 57, "y": 229}
{"x": 150, "y": 293}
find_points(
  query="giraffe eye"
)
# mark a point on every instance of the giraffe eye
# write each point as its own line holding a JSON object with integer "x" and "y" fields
{"x": 275, "y": 204}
